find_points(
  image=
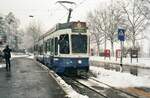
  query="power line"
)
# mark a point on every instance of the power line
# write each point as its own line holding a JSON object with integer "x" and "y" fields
{"x": 80, "y": 3}
{"x": 62, "y": 17}
{"x": 74, "y": 8}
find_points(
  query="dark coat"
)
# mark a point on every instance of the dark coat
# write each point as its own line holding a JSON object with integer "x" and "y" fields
{"x": 7, "y": 54}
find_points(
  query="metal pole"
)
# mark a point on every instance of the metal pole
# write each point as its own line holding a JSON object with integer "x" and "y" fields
{"x": 105, "y": 46}
{"x": 121, "y": 43}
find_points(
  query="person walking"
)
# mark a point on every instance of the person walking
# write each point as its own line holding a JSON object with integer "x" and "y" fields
{"x": 7, "y": 56}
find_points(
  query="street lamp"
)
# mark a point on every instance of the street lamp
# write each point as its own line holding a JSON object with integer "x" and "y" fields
{"x": 31, "y": 16}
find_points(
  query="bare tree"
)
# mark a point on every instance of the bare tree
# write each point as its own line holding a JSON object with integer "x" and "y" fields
{"x": 105, "y": 23}
{"x": 2, "y": 31}
{"x": 12, "y": 25}
{"x": 96, "y": 33}
{"x": 32, "y": 34}
{"x": 2, "y": 26}
{"x": 20, "y": 38}
{"x": 136, "y": 20}
{"x": 115, "y": 19}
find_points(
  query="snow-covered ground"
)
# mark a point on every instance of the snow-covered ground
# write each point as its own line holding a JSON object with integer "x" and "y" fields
{"x": 15, "y": 55}
{"x": 118, "y": 79}
{"x": 2, "y": 65}
{"x": 142, "y": 62}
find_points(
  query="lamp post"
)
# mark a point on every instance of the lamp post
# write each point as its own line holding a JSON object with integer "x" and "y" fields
{"x": 32, "y": 48}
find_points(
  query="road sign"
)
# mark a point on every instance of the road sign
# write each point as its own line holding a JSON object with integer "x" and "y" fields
{"x": 121, "y": 34}
{"x": 134, "y": 54}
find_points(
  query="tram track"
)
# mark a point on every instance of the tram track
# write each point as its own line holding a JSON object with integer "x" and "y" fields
{"x": 108, "y": 92}
{"x": 74, "y": 82}
{"x": 117, "y": 89}
{"x": 131, "y": 91}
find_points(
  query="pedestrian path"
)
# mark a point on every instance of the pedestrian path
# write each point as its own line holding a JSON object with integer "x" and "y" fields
{"x": 27, "y": 80}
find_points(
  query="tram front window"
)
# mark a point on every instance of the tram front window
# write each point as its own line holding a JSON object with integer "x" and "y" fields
{"x": 64, "y": 44}
{"x": 79, "y": 43}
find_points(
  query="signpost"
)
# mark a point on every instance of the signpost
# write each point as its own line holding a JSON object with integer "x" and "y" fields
{"x": 118, "y": 53}
{"x": 121, "y": 37}
{"x": 134, "y": 54}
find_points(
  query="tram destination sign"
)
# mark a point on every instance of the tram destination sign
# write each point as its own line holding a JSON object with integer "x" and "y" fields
{"x": 79, "y": 27}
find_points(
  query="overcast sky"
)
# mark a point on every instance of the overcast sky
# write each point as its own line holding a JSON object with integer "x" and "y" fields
{"x": 47, "y": 12}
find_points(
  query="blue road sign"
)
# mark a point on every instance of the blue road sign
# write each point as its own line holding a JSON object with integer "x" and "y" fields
{"x": 121, "y": 34}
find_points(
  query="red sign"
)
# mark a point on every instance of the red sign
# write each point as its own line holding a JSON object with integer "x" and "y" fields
{"x": 107, "y": 53}
{"x": 118, "y": 53}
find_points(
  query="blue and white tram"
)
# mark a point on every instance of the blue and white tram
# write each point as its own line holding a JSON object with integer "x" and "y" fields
{"x": 65, "y": 48}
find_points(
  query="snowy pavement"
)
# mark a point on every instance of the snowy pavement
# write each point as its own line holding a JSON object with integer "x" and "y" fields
{"x": 15, "y": 55}
{"x": 71, "y": 93}
{"x": 28, "y": 80}
{"x": 2, "y": 65}
{"x": 142, "y": 62}
{"x": 118, "y": 79}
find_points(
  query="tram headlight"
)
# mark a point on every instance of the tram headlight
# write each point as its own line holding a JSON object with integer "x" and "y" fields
{"x": 79, "y": 61}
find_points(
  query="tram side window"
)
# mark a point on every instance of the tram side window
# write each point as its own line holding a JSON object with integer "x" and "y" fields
{"x": 64, "y": 44}
{"x": 48, "y": 45}
{"x": 52, "y": 46}
{"x": 45, "y": 47}
{"x": 35, "y": 47}
{"x": 38, "y": 49}
{"x": 56, "y": 46}
{"x": 41, "y": 49}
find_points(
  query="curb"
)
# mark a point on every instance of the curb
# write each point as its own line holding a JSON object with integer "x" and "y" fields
{"x": 54, "y": 76}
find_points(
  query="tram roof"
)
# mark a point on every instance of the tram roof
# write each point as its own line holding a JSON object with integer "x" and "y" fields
{"x": 59, "y": 26}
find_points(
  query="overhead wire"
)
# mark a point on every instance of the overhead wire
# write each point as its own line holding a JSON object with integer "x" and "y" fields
{"x": 73, "y": 9}
{"x": 80, "y": 3}
{"x": 51, "y": 10}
